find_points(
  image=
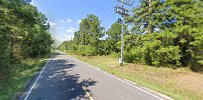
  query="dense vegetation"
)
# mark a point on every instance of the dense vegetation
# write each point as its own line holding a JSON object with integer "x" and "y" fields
{"x": 24, "y": 33}
{"x": 163, "y": 33}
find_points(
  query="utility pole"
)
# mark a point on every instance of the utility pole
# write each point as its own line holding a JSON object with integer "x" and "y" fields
{"x": 123, "y": 12}
{"x": 71, "y": 44}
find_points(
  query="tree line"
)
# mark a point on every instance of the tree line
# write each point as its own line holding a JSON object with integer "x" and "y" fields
{"x": 164, "y": 33}
{"x": 24, "y": 33}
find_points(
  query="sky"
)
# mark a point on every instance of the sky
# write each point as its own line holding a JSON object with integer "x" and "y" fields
{"x": 64, "y": 16}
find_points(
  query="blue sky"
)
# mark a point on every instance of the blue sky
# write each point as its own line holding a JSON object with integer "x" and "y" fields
{"x": 65, "y": 15}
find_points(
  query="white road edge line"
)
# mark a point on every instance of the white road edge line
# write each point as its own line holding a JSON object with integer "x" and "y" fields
{"x": 127, "y": 82}
{"x": 37, "y": 79}
{"x": 131, "y": 84}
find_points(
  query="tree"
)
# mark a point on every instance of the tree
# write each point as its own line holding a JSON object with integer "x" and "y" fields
{"x": 114, "y": 37}
{"x": 89, "y": 34}
{"x": 188, "y": 24}
{"x": 147, "y": 17}
{"x": 77, "y": 38}
{"x": 4, "y": 36}
{"x": 23, "y": 30}
{"x": 90, "y": 30}
{"x": 164, "y": 33}
{"x": 182, "y": 18}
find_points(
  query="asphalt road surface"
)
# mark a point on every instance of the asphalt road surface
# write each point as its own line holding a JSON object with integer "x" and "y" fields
{"x": 66, "y": 78}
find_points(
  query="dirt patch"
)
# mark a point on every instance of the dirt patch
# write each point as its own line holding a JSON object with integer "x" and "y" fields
{"x": 184, "y": 79}
{"x": 135, "y": 67}
{"x": 191, "y": 81}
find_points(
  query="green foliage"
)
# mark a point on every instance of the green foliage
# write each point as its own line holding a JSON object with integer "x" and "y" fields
{"x": 164, "y": 33}
{"x": 154, "y": 50}
{"x": 12, "y": 86}
{"x": 90, "y": 30}
{"x": 23, "y": 33}
{"x": 176, "y": 27}
{"x": 188, "y": 26}
{"x": 169, "y": 55}
{"x": 37, "y": 43}
{"x": 87, "y": 50}
{"x": 147, "y": 16}
{"x": 114, "y": 38}
{"x": 86, "y": 41}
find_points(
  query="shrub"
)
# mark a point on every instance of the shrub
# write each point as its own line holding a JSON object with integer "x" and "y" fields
{"x": 87, "y": 50}
{"x": 156, "y": 49}
{"x": 169, "y": 55}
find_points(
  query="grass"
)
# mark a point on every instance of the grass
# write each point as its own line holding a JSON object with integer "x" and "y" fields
{"x": 164, "y": 80}
{"x": 19, "y": 76}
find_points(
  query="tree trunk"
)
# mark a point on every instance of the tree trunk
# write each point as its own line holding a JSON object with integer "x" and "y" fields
{"x": 149, "y": 27}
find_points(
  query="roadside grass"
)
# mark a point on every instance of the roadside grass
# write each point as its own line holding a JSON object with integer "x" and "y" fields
{"x": 19, "y": 76}
{"x": 160, "y": 79}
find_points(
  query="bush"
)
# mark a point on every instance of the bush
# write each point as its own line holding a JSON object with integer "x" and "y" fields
{"x": 87, "y": 50}
{"x": 169, "y": 55}
{"x": 156, "y": 49}
{"x": 115, "y": 55}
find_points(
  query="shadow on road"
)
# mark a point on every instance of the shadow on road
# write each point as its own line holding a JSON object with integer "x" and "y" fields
{"x": 58, "y": 82}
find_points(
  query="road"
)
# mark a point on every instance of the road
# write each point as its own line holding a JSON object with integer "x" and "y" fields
{"x": 66, "y": 78}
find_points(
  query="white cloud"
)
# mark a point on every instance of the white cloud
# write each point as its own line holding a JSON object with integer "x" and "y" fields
{"x": 70, "y": 30}
{"x": 52, "y": 24}
{"x": 67, "y": 21}
{"x": 79, "y": 21}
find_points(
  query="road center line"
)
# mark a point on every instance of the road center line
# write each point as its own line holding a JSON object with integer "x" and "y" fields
{"x": 88, "y": 94}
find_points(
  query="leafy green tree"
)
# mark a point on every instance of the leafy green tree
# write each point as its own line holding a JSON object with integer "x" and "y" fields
{"x": 89, "y": 34}
{"x": 77, "y": 38}
{"x": 164, "y": 33}
{"x": 23, "y": 30}
{"x": 147, "y": 17}
{"x": 180, "y": 22}
{"x": 188, "y": 24}
{"x": 114, "y": 37}
{"x": 4, "y": 36}
{"x": 90, "y": 30}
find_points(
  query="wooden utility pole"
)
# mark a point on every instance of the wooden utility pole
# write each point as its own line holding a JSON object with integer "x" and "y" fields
{"x": 123, "y": 12}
